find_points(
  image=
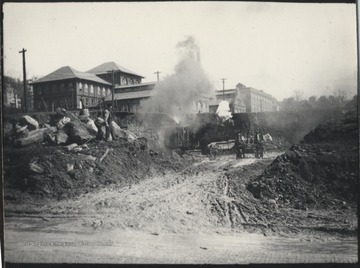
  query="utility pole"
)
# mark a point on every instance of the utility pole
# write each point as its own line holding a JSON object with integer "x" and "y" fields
{"x": 223, "y": 81}
{"x": 157, "y": 74}
{"x": 24, "y": 77}
{"x": 112, "y": 89}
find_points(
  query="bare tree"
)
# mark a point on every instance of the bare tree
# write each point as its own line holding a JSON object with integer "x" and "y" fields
{"x": 298, "y": 95}
{"x": 341, "y": 95}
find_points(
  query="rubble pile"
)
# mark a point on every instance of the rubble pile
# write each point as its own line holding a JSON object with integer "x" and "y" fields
{"x": 63, "y": 128}
{"x": 320, "y": 172}
{"x": 64, "y": 156}
{"x": 67, "y": 171}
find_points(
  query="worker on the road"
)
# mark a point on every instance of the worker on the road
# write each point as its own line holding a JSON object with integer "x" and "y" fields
{"x": 258, "y": 141}
{"x": 108, "y": 119}
{"x": 239, "y": 146}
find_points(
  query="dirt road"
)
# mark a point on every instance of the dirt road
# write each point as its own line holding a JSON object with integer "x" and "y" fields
{"x": 197, "y": 215}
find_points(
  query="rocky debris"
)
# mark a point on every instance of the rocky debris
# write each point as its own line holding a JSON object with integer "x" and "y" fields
{"x": 122, "y": 133}
{"x": 46, "y": 171}
{"x": 63, "y": 128}
{"x": 61, "y": 137}
{"x": 30, "y": 122}
{"x": 320, "y": 172}
{"x": 63, "y": 122}
{"x": 80, "y": 133}
{"x": 35, "y": 167}
{"x": 337, "y": 130}
{"x": 35, "y": 136}
{"x": 71, "y": 146}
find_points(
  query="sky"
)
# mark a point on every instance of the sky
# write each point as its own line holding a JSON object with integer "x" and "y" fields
{"x": 279, "y": 48}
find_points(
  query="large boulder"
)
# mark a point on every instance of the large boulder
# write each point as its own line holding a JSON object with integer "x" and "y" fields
{"x": 30, "y": 122}
{"x": 80, "y": 133}
{"x": 122, "y": 133}
{"x": 61, "y": 137}
{"x": 36, "y": 136}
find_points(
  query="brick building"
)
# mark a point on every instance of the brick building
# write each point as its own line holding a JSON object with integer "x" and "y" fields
{"x": 244, "y": 99}
{"x": 256, "y": 100}
{"x": 66, "y": 87}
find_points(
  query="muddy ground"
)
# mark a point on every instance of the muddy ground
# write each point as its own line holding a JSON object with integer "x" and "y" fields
{"x": 199, "y": 212}
{"x": 135, "y": 202}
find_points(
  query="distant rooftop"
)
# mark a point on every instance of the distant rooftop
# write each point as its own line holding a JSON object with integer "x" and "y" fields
{"x": 109, "y": 66}
{"x": 68, "y": 72}
{"x": 260, "y": 92}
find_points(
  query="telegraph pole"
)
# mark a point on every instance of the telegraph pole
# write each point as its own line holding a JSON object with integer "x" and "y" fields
{"x": 223, "y": 81}
{"x": 157, "y": 74}
{"x": 24, "y": 77}
{"x": 112, "y": 89}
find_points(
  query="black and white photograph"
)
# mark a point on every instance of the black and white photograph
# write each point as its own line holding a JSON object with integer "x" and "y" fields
{"x": 207, "y": 132}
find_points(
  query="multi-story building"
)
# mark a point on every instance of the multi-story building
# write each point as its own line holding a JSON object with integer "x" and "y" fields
{"x": 122, "y": 76}
{"x": 244, "y": 99}
{"x": 130, "y": 98}
{"x": 67, "y": 87}
{"x": 256, "y": 100}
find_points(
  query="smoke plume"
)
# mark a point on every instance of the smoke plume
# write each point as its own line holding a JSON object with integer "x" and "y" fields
{"x": 223, "y": 110}
{"x": 177, "y": 94}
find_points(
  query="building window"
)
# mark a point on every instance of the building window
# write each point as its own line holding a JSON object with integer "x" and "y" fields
{"x": 53, "y": 89}
{"x": 91, "y": 90}
{"x": 62, "y": 87}
{"x": 103, "y": 92}
{"x": 98, "y": 91}
{"x": 86, "y": 101}
{"x": 108, "y": 92}
{"x": 86, "y": 89}
{"x": 80, "y": 85}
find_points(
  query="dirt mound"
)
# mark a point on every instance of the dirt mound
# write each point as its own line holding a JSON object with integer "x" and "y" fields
{"x": 55, "y": 172}
{"x": 321, "y": 172}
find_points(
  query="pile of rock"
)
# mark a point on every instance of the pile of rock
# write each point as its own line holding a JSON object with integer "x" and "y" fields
{"x": 322, "y": 171}
{"x": 63, "y": 128}
{"x": 343, "y": 129}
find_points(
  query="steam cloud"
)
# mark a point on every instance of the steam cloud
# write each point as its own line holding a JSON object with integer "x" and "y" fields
{"x": 223, "y": 111}
{"x": 177, "y": 93}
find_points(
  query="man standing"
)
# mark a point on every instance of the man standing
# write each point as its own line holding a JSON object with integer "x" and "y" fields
{"x": 108, "y": 119}
{"x": 259, "y": 147}
{"x": 239, "y": 146}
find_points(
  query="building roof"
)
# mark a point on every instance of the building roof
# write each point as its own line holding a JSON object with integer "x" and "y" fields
{"x": 109, "y": 66}
{"x": 68, "y": 72}
{"x": 260, "y": 92}
{"x": 131, "y": 95}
